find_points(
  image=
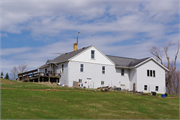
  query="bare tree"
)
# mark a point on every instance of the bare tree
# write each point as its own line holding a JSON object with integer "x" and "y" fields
{"x": 15, "y": 70}
{"x": 22, "y": 68}
{"x": 170, "y": 64}
{"x": 175, "y": 81}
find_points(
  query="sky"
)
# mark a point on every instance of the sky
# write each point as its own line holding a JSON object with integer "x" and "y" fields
{"x": 32, "y": 31}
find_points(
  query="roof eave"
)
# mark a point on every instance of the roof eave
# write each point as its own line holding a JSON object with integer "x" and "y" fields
{"x": 152, "y": 59}
{"x": 124, "y": 67}
{"x": 62, "y": 62}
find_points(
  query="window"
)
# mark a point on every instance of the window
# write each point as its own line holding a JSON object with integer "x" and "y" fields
{"x": 81, "y": 67}
{"x": 103, "y": 69}
{"x": 45, "y": 70}
{"x": 154, "y": 73}
{"x": 145, "y": 87}
{"x": 48, "y": 63}
{"x": 80, "y": 80}
{"x": 102, "y": 82}
{"x": 156, "y": 88}
{"x": 147, "y": 72}
{"x": 151, "y": 73}
{"x": 122, "y": 72}
{"x": 92, "y": 54}
{"x": 62, "y": 67}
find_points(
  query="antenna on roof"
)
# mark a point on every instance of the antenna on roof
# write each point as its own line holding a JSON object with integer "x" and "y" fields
{"x": 76, "y": 44}
{"x": 77, "y": 36}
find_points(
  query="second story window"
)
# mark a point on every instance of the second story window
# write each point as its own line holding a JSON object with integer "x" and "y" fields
{"x": 81, "y": 68}
{"x": 62, "y": 67}
{"x": 151, "y": 73}
{"x": 154, "y": 73}
{"x": 92, "y": 54}
{"x": 103, "y": 69}
{"x": 122, "y": 72}
{"x": 45, "y": 70}
{"x": 147, "y": 72}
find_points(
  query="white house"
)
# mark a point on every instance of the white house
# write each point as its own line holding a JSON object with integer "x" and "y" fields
{"x": 93, "y": 69}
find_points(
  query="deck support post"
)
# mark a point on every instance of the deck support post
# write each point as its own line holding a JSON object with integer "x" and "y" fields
{"x": 49, "y": 79}
{"x": 39, "y": 79}
{"x": 28, "y": 77}
{"x": 134, "y": 88}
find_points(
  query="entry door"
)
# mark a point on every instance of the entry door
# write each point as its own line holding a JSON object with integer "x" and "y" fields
{"x": 89, "y": 83}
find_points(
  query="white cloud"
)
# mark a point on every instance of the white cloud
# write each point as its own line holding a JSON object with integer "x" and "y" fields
{"x": 12, "y": 51}
{"x": 3, "y": 35}
{"x": 124, "y": 19}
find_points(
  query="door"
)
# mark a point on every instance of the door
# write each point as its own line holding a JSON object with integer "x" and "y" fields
{"x": 88, "y": 83}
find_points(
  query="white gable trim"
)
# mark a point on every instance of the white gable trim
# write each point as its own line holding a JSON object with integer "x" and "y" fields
{"x": 151, "y": 58}
{"x": 88, "y": 49}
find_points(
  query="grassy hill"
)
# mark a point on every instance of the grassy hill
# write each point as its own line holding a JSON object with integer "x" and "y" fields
{"x": 36, "y": 101}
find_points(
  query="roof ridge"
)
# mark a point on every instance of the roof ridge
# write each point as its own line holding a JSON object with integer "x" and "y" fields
{"x": 72, "y": 51}
{"x": 121, "y": 57}
{"x": 76, "y": 50}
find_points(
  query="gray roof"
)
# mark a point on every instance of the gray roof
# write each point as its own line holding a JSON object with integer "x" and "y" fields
{"x": 45, "y": 65}
{"x": 119, "y": 61}
{"x": 65, "y": 57}
{"x": 126, "y": 62}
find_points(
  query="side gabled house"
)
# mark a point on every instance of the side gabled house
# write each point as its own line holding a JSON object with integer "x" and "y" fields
{"x": 93, "y": 69}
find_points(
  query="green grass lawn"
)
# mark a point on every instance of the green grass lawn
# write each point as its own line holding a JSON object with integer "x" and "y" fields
{"x": 28, "y": 102}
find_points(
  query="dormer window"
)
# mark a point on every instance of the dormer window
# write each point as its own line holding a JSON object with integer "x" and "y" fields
{"x": 48, "y": 63}
{"x": 92, "y": 54}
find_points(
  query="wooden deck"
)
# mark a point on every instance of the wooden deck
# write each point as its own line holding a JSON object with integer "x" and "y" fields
{"x": 35, "y": 76}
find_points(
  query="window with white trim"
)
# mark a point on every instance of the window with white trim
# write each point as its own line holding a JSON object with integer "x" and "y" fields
{"x": 80, "y": 80}
{"x": 147, "y": 72}
{"x": 145, "y": 87}
{"x": 157, "y": 88}
{"x": 81, "y": 68}
{"x": 151, "y": 73}
{"x": 102, "y": 82}
{"x": 103, "y": 69}
{"x": 92, "y": 54}
{"x": 154, "y": 75}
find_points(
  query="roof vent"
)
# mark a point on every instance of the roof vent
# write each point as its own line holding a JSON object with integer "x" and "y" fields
{"x": 66, "y": 53}
{"x": 83, "y": 48}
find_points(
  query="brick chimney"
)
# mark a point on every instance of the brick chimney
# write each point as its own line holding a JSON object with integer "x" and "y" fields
{"x": 75, "y": 46}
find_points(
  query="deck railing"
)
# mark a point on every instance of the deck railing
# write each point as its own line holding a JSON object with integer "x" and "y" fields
{"x": 48, "y": 74}
{"x": 38, "y": 74}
